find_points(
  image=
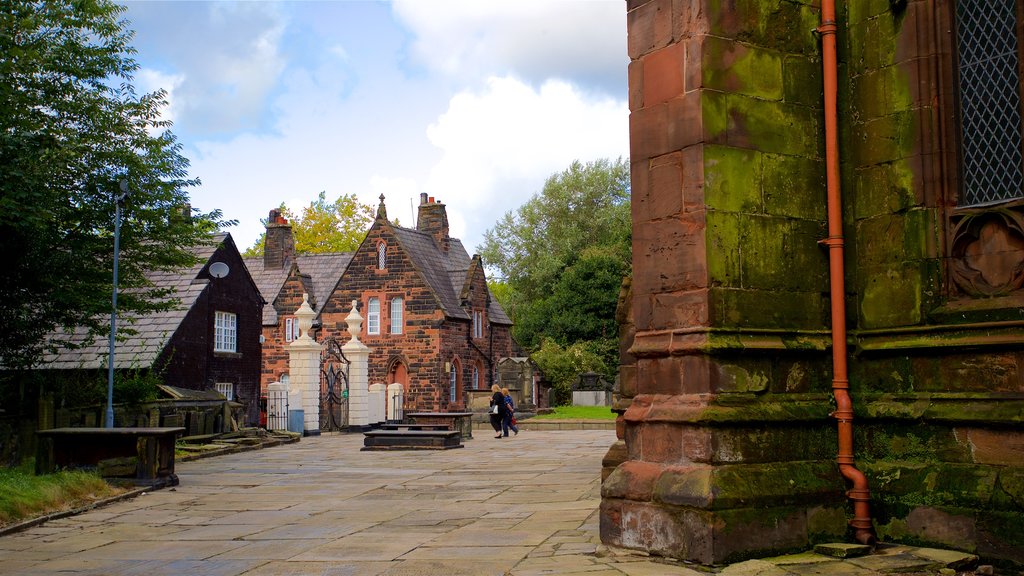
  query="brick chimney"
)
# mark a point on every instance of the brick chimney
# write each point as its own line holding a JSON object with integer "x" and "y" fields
{"x": 279, "y": 243}
{"x": 433, "y": 219}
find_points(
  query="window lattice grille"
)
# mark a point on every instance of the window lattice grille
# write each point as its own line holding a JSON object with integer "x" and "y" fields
{"x": 989, "y": 101}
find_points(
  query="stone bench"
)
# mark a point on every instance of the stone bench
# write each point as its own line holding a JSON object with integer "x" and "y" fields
{"x": 412, "y": 439}
{"x": 415, "y": 427}
{"x": 142, "y": 456}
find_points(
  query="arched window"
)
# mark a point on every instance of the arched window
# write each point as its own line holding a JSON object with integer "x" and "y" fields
{"x": 373, "y": 316}
{"x": 453, "y": 382}
{"x": 382, "y": 256}
{"x": 476, "y": 378}
{"x": 397, "y": 321}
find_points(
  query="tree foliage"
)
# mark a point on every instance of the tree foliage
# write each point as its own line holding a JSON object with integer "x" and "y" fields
{"x": 71, "y": 128}
{"x": 563, "y": 365}
{"x": 563, "y": 256}
{"x": 338, "y": 226}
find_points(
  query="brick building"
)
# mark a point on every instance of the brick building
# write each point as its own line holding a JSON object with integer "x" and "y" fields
{"x": 283, "y": 277}
{"x": 728, "y": 448}
{"x": 209, "y": 341}
{"x": 430, "y": 320}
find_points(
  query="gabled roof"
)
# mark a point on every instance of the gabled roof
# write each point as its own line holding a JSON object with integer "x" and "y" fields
{"x": 445, "y": 273}
{"x": 323, "y": 269}
{"x": 152, "y": 330}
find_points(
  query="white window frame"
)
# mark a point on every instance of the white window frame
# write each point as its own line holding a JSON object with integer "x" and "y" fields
{"x": 225, "y": 332}
{"x": 397, "y": 316}
{"x": 291, "y": 329}
{"x": 382, "y": 256}
{"x": 373, "y": 315}
{"x": 478, "y": 324}
{"x": 226, "y": 388}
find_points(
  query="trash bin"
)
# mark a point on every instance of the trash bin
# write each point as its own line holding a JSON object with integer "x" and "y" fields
{"x": 296, "y": 421}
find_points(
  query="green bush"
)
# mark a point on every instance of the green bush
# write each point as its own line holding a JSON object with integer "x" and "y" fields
{"x": 562, "y": 366}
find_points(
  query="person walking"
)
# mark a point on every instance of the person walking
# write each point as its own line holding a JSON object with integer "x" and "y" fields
{"x": 498, "y": 410}
{"x": 509, "y": 422}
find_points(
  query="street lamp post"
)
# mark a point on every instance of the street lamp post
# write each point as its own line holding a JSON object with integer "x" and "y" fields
{"x": 123, "y": 185}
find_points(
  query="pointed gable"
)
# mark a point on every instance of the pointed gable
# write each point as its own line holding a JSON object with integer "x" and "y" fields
{"x": 152, "y": 331}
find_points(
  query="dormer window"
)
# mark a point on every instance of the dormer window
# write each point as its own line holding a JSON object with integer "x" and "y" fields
{"x": 382, "y": 256}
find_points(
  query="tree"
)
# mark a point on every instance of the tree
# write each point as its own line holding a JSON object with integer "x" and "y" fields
{"x": 338, "y": 226}
{"x": 584, "y": 206}
{"x": 71, "y": 128}
{"x": 563, "y": 256}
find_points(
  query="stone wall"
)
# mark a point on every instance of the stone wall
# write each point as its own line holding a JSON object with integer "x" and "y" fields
{"x": 728, "y": 449}
{"x": 939, "y": 369}
{"x": 428, "y": 339}
{"x": 275, "y": 351}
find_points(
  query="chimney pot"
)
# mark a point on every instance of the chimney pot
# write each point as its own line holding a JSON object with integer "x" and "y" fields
{"x": 430, "y": 200}
{"x": 423, "y": 198}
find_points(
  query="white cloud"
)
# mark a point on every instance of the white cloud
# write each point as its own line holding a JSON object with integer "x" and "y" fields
{"x": 148, "y": 81}
{"x": 225, "y": 55}
{"x": 583, "y": 41}
{"x": 500, "y": 144}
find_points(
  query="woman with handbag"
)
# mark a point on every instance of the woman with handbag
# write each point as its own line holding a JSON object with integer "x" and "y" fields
{"x": 497, "y": 409}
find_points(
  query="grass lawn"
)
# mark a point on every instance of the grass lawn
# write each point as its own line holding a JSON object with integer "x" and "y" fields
{"x": 579, "y": 413}
{"x": 24, "y": 495}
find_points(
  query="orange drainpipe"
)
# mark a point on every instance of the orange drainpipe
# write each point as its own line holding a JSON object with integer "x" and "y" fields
{"x": 859, "y": 494}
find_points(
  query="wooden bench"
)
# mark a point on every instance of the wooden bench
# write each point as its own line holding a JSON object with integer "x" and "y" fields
{"x": 144, "y": 456}
{"x": 411, "y": 440}
{"x": 414, "y": 427}
{"x": 461, "y": 421}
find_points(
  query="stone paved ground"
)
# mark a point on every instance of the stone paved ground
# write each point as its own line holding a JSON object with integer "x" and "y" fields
{"x": 524, "y": 505}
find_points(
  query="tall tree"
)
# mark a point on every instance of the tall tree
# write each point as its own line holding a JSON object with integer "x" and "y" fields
{"x": 584, "y": 206}
{"x": 338, "y": 226}
{"x": 563, "y": 255}
{"x": 71, "y": 128}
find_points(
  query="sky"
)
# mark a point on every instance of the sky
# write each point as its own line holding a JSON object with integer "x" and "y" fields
{"x": 474, "y": 102}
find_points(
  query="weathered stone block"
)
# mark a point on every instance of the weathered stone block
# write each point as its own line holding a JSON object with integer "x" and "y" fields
{"x": 802, "y": 81}
{"x": 793, "y": 186}
{"x": 754, "y": 308}
{"x": 732, "y": 179}
{"x": 665, "y": 192}
{"x": 730, "y": 66}
{"x": 675, "y": 247}
{"x": 666, "y": 127}
{"x": 784, "y": 26}
{"x": 663, "y": 74}
{"x": 722, "y": 237}
{"x": 650, "y": 27}
{"x": 681, "y": 308}
{"x": 782, "y": 254}
{"x": 891, "y": 295}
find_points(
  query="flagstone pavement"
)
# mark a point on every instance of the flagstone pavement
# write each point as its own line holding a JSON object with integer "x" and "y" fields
{"x": 523, "y": 505}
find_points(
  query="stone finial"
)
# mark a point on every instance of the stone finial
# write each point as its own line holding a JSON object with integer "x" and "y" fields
{"x": 354, "y": 321}
{"x": 305, "y": 315}
{"x": 382, "y": 212}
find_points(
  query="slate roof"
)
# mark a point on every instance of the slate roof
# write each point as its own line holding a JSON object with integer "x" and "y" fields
{"x": 445, "y": 273}
{"x": 323, "y": 269}
{"x": 153, "y": 330}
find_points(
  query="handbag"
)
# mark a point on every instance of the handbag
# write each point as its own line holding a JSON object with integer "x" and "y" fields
{"x": 494, "y": 409}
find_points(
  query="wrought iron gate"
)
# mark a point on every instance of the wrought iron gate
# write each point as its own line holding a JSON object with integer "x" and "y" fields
{"x": 333, "y": 387}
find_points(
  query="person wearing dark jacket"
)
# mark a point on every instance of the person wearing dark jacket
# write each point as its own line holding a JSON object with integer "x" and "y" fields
{"x": 497, "y": 416}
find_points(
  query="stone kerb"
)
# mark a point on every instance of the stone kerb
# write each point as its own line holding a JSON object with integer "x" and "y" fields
{"x": 304, "y": 371}
{"x": 358, "y": 356}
